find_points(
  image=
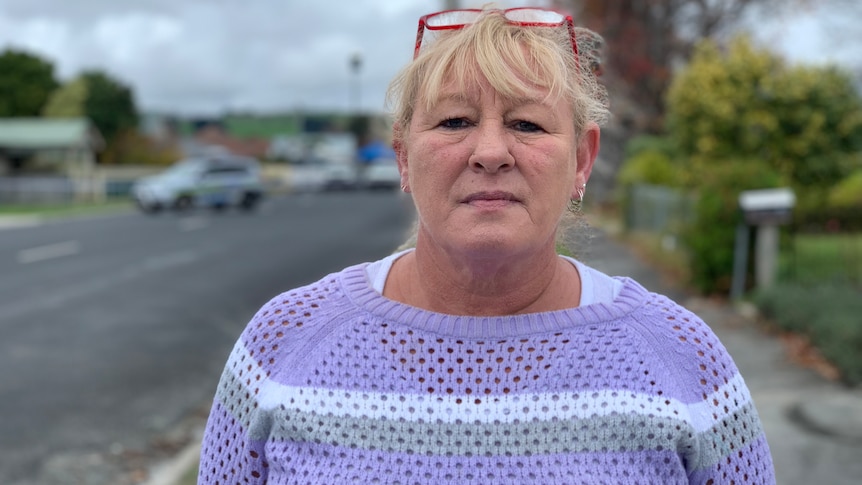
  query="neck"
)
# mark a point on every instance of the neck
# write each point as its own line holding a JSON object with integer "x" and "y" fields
{"x": 484, "y": 286}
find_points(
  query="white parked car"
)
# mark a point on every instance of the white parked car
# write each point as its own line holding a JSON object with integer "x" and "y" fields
{"x": 381, "y": 173}
{"x": 340, "y": 175}
{"x": 216, "y": 182}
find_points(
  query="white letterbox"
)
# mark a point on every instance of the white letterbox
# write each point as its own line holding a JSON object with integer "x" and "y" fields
{"x": 767, "y": 206}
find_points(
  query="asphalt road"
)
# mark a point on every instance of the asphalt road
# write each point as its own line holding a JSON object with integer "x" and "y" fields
{"x": 113, "y": 328}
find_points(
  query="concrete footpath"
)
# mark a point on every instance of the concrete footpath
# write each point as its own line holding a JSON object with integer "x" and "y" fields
{"x": 814, "y": 425}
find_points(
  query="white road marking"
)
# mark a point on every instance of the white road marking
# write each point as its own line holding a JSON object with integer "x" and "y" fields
{"x": 193, "y": 224}
{"x": 161, "y": 262}
{"x": 50, "y": 251}
{"x": 64, "y": 296}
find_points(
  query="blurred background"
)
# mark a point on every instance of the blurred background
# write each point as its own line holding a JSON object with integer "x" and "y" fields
{"x": 166, "y": 167}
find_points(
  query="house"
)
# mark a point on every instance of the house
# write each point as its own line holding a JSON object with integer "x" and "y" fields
{"x": 214, "y": 134}
{"x": 48, "y": 159}
{"x": 65, "y": 146}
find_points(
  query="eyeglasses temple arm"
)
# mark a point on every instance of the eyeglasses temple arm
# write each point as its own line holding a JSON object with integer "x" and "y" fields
{"x": 570, "y": 24}
{"x": 419, "y": 33}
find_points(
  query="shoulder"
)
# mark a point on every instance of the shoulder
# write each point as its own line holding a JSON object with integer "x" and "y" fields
{"x": 701, "y": 374}
{"x": 675, "y": 327}
{"x": 666, "y": 324}
{"x": 286, "y": 322}
{"x": 300, "y": 304}
{"x": 689, "y": 349}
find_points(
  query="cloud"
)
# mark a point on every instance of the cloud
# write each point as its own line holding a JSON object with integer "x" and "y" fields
{"x": 207, "y": 56}
{"x": 817, "y": 33}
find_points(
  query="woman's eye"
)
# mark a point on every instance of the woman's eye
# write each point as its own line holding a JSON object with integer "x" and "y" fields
{"x": 526, "y": 126}
{"x": 454, "y": 123}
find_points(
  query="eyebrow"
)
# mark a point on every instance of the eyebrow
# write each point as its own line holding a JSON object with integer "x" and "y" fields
{"x": 456, "y": 97}
{"x": 522, "y": 100}
{"x": 511, "y": 100}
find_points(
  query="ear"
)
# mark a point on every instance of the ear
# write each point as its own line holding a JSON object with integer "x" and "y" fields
{"x": 400, "y": 156}
{"x": 588, "y": 150}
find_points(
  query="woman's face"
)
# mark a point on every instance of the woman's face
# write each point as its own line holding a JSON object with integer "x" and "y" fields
{"x": 490, "y": 174}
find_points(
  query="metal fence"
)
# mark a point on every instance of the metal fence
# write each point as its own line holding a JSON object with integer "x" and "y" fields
{"x": 24, "y": 190}
{"x": 657, "y": 209}
{"x": 60, "y": 189}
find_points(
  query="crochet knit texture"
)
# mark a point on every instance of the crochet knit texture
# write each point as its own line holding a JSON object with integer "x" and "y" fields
{"x": 333, "y": 383}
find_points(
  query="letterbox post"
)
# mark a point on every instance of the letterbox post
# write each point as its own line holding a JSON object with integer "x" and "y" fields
{"x": 764, "y": 210}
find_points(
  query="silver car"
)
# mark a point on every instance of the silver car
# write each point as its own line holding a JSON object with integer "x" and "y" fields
{"x": 214, "y": 182}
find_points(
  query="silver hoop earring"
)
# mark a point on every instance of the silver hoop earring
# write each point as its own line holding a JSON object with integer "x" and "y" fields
{"x": 574, "y": 205}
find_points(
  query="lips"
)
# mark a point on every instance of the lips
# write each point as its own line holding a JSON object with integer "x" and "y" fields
{"x": 494, "y": 196}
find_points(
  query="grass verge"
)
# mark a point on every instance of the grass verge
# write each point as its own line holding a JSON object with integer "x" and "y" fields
{"x": 63, "y": 209}
{"x": 824, "y": 258}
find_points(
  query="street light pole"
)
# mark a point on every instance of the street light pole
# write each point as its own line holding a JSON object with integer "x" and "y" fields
{"x": 355, "y": 67}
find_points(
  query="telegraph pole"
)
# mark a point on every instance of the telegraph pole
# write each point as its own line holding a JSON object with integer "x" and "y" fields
{"x": 355, "y": 66}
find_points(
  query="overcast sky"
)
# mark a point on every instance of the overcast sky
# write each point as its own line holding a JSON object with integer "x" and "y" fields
{"x": 204, "y": 57}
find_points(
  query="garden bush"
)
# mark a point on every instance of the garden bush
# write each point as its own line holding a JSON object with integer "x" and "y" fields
{"x": 710, "y": 238}
{"x": 829, "y": 315}
{"x": 741, "y": 118}
{"x": 848, "y": 192}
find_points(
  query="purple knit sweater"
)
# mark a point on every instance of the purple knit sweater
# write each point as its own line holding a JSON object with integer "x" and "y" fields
{"x": 332, "y": 383}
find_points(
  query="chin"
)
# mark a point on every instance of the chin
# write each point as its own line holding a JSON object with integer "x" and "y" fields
{"x": 489, "y": 238}
{"x": 490, "y": 243}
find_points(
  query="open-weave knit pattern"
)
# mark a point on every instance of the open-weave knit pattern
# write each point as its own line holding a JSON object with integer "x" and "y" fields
{"x": 332, "y": 383}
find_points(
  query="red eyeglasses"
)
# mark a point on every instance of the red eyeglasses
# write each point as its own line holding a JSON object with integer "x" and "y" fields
{"x": 521, "y": 16}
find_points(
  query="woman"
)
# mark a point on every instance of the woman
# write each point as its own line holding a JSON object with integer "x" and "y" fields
{"x": 481, "y": 356}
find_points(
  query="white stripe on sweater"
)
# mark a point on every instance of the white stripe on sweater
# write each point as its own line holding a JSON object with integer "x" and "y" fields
{"x": 497, "y": 408}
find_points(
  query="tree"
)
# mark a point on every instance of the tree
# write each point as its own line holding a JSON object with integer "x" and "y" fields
{"x": 106, "y": 102}
{"x": 68, "y": 100}
{"x": 109, "y": 104}
{"x": 803, "y": 122}
{"x": 26, "y": 81}
{"x": 744, "y": 119}
{"x": 646, "y": 39}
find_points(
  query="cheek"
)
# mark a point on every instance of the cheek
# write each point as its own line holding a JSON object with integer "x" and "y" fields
{"x": 554, "y": 165}
{"x": 434, "y": 163}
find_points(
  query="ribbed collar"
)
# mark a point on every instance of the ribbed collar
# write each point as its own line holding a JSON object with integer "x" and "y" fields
{"x": 358, "y": 289}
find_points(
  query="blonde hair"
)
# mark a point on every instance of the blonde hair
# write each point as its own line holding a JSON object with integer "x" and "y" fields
{"x": 514, "y": 59}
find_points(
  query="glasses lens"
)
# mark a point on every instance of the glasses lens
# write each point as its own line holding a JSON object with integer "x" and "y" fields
{"x": 451, "y": 19}
{"x": 435, "y": 23}
{"x": 534, "y": 16}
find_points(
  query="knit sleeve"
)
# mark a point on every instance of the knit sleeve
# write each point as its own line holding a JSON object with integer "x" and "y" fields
{"x": 240, "y": 421}
{"x": 232, "y": 450}
{"x": 729, "y": 441}
{"x": 233, "y": 443}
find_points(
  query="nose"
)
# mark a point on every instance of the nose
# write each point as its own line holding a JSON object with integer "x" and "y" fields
{"x": 491, "y": 151}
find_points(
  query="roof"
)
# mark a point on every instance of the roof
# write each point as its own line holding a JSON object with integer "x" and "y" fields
{"x": 46, "y": 133}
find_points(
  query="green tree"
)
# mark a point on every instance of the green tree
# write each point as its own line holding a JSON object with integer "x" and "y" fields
{"x": 26, "y": 81}
{"x": 109, "y": 104}
{"x": 744, "y": 119}
{"x": 848, "y": 193}
{"x": 803, "y": 122}
{"x": 68, "y": 100}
